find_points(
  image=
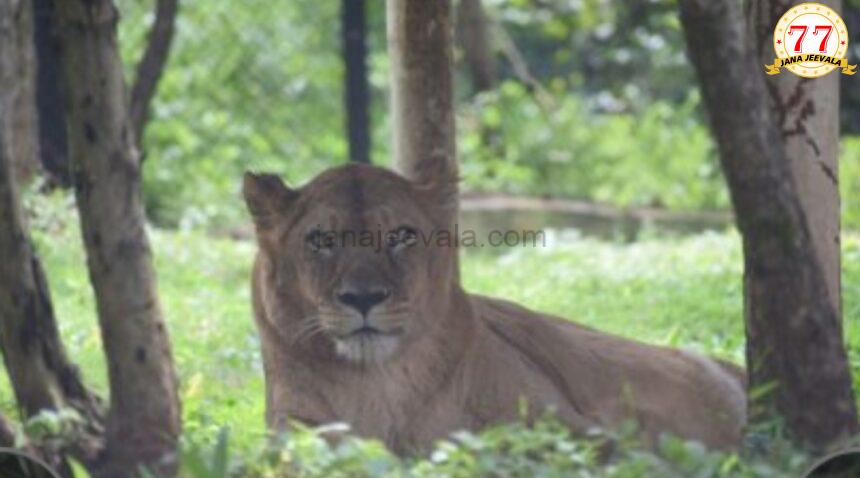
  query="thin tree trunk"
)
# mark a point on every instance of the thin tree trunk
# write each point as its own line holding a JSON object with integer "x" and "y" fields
{"x": 25, "y": 159}
{"x": 40, "y": 373}
{"x": 794, "y": 332}
{"x": 357, "y": 91}
{"x": 144, "y": 422}
{"x": 422, "y": 96}
{"x": 50, "y": 97}
{"x": 151, "y": 66}
{"x": 520, "y": 69}
{"x": 473, "y": 33}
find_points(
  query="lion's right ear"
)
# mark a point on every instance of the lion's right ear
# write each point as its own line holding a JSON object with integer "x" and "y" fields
{"x": 267, "y": 198}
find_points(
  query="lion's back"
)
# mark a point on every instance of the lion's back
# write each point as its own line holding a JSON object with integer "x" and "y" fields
{"x": 610, "y": 379}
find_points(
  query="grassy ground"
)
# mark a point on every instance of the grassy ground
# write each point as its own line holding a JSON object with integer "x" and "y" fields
{"x": 679, "y": 291}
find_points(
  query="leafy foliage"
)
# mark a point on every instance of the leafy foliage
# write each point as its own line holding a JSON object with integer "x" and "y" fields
{"x": 625, "y": 54}
{"x": 849, "y": 182}
{"x": 661, "y": 156}
{"x": 245, "y": 87}
{"x": 54, "y": 429}
{"x": 544, "y": 449}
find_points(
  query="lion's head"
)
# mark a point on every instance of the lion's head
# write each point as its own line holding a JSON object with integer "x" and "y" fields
{"x": 356, "y": 265}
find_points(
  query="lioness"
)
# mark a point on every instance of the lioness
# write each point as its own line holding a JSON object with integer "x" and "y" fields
{"x": 383, "y": 337}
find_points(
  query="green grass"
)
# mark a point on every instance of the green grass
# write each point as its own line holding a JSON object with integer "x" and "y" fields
{"x": 680, "y": 291}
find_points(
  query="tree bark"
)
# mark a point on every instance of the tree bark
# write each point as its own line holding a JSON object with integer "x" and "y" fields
{"x": 807, "y": 116}
{"x": 25, "y": 147}
{"x": 144, "y": 421}
{"x": 473, "y": 33}
{"x": 151, "y": 66}
{"x": 794, "y": 331}
{"x": 50, "y": 98}
{"x": 357, "y": 96}
{"x": 422, "y": 98}
{"x": 7, "y": 433}
{"x": 40, "y": 373}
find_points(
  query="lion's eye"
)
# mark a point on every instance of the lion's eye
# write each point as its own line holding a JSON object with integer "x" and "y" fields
{"x": 403, "y": 236}
{"x": 320, "y": 241}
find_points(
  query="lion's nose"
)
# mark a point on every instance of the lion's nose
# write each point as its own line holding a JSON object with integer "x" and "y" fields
{"x": 363, "y": 300}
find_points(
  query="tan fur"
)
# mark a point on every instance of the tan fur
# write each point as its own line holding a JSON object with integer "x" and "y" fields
{"x": 460, "y": 361}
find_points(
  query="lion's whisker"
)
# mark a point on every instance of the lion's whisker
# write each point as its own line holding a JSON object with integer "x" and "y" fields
{"x": 307, "y": 328}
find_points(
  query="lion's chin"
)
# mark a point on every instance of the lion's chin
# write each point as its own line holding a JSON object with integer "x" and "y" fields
{"x": 366, "y": 348}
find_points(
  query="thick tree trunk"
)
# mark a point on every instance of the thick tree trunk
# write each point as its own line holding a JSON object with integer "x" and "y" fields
{"x": 357, "y": 95}
{"x": 807, "y": 116}
{"x": 144, "y": 422}
{"x": 794, "y": 331}
{"x": 473, "y": 34}
{"x": 151, "y": 66}
{"x": 422, "y": 98}
{"x": 25, "y": 159}
{"x": 50, "y": 98}
{"x": 40, "y": 373}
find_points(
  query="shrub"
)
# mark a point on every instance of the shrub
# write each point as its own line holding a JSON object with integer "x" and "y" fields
{"x": 545, "y": 449}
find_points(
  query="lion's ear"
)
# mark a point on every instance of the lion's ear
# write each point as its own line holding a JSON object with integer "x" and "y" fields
{"x": 436, "y": 177}
{"x": 267, "y": 198}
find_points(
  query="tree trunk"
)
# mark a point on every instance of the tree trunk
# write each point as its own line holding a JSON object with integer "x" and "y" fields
{"x": 25, "y": 158}
{"x": 151, "y": 66}
{"x": 50, "y": 98}
{"x": 357, "y": 94}
{"x": 40, "y": 373}
{"x": 422, "y": 98}
{"x": 144, "y": 422}
{"x": 473, "y": 33}
{"x": 807, "y": 116}
{"x": 794, "y": 331}
{"x": 7, "y": 433}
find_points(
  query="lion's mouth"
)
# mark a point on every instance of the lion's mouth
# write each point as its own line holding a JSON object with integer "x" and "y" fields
{"x": 366, "y": 331}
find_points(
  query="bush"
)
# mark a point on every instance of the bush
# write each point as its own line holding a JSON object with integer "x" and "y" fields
{"x": 545, "y": 449}
{"x": 659, "y": 156}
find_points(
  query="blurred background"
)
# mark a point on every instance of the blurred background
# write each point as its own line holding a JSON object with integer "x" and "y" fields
{"x": 589, "y": 100}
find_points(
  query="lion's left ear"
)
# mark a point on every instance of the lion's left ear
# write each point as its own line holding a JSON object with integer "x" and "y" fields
{"x": 267, "y": 198}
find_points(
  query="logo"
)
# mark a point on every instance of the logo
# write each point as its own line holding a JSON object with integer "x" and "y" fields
{"x": 811, "y": 40}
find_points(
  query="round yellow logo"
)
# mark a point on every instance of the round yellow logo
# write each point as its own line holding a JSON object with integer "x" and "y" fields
{"x": 811, "y": 40}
